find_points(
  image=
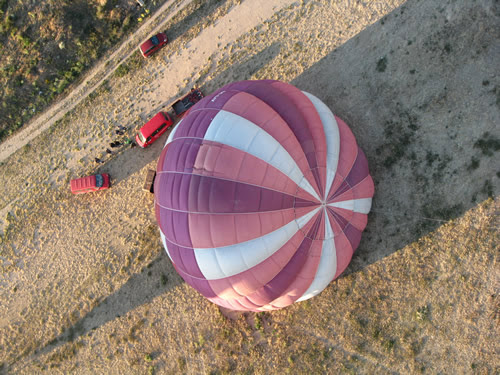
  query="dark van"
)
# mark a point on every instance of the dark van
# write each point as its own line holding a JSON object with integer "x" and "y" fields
{"x": 153, "y": 129}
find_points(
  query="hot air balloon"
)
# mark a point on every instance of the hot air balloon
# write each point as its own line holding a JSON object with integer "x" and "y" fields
{"x": 261, "y": 195}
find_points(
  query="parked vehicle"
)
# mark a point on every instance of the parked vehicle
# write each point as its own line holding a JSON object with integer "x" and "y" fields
{"x": 88, "y": 184}
{"x": 182, "y": 105}
{"x": 153, "y": 44}
{"x": 153, "y": 129}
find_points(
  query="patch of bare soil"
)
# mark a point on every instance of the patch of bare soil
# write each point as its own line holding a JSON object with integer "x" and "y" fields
{"x": 87, "y": 288}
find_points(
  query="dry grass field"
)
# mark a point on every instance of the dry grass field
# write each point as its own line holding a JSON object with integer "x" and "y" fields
{"x": 86, "y": 287}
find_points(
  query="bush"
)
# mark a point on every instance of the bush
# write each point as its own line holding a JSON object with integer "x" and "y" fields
{"x": 122, "y": 70}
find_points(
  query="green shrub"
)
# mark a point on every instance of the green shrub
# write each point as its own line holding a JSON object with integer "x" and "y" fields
{"x": 122, "y": 70}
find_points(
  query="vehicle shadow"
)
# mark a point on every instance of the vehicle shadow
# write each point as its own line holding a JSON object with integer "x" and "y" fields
{"x": 423, "y": 106}
{"x": 158, "y": 277}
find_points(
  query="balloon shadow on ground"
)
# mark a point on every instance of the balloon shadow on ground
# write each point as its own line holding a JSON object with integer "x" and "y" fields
{"x": 157, "y": 278}
{"x": 127, "y": 161}
{"x": 423, "y": 106}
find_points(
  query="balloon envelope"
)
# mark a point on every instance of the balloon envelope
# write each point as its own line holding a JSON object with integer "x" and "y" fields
{"x": 261, "y": 195}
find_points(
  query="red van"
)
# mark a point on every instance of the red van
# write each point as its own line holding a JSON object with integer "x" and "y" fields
{"x": 153, "y": 44}
{"x": 153, "y": 129}
{"x": 90, "y": 183}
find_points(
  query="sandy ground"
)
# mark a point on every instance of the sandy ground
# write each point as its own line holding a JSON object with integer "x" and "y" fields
{"x": 87, "y": 288}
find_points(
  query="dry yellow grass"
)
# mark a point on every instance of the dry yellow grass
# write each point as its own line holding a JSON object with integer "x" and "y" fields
{"x": 87, "y": 288}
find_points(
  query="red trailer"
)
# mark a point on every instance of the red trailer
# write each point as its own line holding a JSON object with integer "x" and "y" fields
{"x": 90, "y": 183}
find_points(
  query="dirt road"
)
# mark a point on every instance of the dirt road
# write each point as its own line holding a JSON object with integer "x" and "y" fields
{"x": 92, "y": 80}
